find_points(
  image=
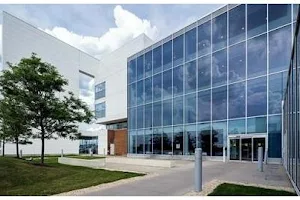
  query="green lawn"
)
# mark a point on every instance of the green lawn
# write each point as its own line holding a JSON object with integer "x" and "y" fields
{"x": 227, "y": 189}
{"x": 21, "y": 177}
{"x": 86, "y": 157}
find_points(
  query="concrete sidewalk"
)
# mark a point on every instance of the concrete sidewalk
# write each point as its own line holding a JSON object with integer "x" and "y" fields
{"x": 179, "y": 180}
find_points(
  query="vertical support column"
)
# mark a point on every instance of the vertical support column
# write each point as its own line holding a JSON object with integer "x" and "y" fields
{"x": 260, "y": 159}
{"x": 104, "y": 151}
{"x": 198, "y": 170}
{"x": 62, "y": 153}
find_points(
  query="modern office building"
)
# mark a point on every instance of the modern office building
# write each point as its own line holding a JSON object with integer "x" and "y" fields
{"x": 216, "y": 84}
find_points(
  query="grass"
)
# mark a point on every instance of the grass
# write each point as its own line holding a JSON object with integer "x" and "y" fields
{"x": 227, "y": 189}
{"x": 21, "y": 177}
{"x": 86, "y": 157}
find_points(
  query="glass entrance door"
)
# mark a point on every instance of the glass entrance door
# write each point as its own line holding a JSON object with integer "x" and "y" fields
{"x": 246, "y": 149}
{"x": 258, "y": 142}
{"x": 234, "y": 149}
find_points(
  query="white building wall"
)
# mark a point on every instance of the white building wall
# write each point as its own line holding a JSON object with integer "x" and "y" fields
{"x": 20, "y": 40}
{"x": 113, "y": 71}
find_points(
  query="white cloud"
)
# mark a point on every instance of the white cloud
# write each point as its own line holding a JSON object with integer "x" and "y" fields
{"x": 128, "y": 26}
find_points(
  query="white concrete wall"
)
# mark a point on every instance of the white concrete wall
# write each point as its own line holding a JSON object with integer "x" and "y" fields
{"x": 113, "y": 71}
{"x": 20, "y": 40}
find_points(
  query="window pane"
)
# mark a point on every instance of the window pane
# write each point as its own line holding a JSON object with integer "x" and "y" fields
{"x": 190, "y": 139}
{"x": 219, "y": 103}
{"x": 140, "y": 117}
{"x": 190, "y": 77}
{"x": 132, "y": 94}
{"x": 219, "y": 68}
{"x": 295, "y": 11}
{"x": 204, "y": 103}
{"x": 257, "y": 97}
{"x": 257, "y": 125}
{"x": 276, "y": 88}
{"x": 157, "y": 141}
{"x": 178, "y": 110}
{"x": 237, "y": 62}
{"x": 237, "y": 24}
{"x": 148, "y": 116}
{"x": 178, "y": 80}
{"x": 157, "y": 110}
{"x": 190, "y": 45}
{"x": 219, "y": 130}
{"x": 167, "y": 55}
{"x": 204, "y": 72}
{"x": 204, "y": 41}
{"x": 236, "y": 127}
{"x": 167, "y": 141}
{"x": 148, "y": 63}
{"x": 157, "y": 60}
{"x": 148, "y": 141}
{"x": 157, "y": 87}
{"x": 279, "y": 14}
{"x": 219, "y": 32}
{"x": 178, "y": 140}
{"x": 257, "y": 56}
{"x": 204, "y": 138}
{"x": 167, "y": 112}
{"x": 148, "y": 90}
{"x": 140, "y": 67}
{"x": 280, "y": 49}
{"x": 140, "y": 141}
{"x": 190, "y": 108}
{"x": 274, "y": 137}
{"x": 178, "y": 50}
{"x": 167, "y": 84}
{"x": 236, "y": 100}
{"x": 256, "y": 19}
{"x": 132, "y": 118}
{"x": 140, "y": 92}
{"x": 132, "y": 71}
{"x": 132, "y": 141}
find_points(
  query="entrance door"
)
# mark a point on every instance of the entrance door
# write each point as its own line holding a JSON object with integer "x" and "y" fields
{"x": 246, "y": 149}
{"x": 258, "y": 142}
{"x": 234, "y": 149}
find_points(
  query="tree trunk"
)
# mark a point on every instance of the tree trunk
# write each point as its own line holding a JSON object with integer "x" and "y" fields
{"x": 43, "y": 146}
{"x": 3, "y": 148}
{"x": 17, "y": 147}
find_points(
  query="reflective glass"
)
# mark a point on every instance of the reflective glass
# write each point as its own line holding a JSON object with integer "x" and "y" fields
{"x": 140, "y": 142}
{"x": 178, "y": 110}
{"x": 157, "y": 110}
{"x": 148, "y": 63}
{"x": 189, "y": 139}
{"x": 236, "y": 100}
{"x": 140, "y": 67}
{"x": 237, "y": 62}
{"x": 178, "y": 50}
{"x": 237, "y": 24}
{"x": 219, "y": 32}
{"x": 132, "y": 70}
{"x": 204, "y": 103}
{"x": 167, "y": 140}
{"x": 204, "y": 40}
{"x": 256, "y": 19}
{"x": 279, "y": 14}
{"x": 295, "y": 11}
{"x": 178, "y": 140}
{"x": 257, "y": 97}
{"x": 204, "y": 138}
{"x": 219, "y": 68}
{"x": 157, "y": 87}
{"x": 148, "y": 116}
{"x": 280, "y": 49}
{"x": 190, "y": 77}
{"x": 204, "y": 72}
{"x": 190, "y": 108}
{"x": 274, "y": 137}
{"x": 132, "y": 141}
{"x": 167, "y": 112}
{"x": 236, "y": 127}
{"x": 190, "y": 45}
{"x": 132, "y": 118}
{"x": 148, "y": 90}
{"x": 132, "y": 94}
{"x": 148, "y": 141}
{"x": 219, "y": 103}
{"x": 277, "y": 84}
{"x": 257, "y": 125}
{"x": 157, "y": 60}
{"x": 219, "y": 130}
{"x": 167, "y": 55}
{"x": 140, "y": 92}
{"x": 257, "y": 56}
{"x": 140, "y": 117}
{"x": 157, "y": 141}
{"x": 167, "y": 84}
{"x": 178, "y": 80}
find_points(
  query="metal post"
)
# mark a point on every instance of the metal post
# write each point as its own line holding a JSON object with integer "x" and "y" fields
{"x": 198, "y": 170}
{"x": 62, "y": 153}
{"x": 260, "y": 159}
{"x": 21, "y": 153}
{"x": 91, "y": 152}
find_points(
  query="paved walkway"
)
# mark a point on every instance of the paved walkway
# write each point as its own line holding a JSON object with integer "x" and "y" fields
{"x": 179, "y": 180}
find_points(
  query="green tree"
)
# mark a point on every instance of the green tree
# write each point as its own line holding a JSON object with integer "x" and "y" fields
{"x": 40, "y": 88}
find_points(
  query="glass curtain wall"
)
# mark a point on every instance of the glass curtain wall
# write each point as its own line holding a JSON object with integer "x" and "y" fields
{"x": 212, "y": 79}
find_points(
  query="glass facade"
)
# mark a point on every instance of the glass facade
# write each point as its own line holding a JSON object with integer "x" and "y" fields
{"x": 211, "y": 81}
{"x": 88, "y": 142}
